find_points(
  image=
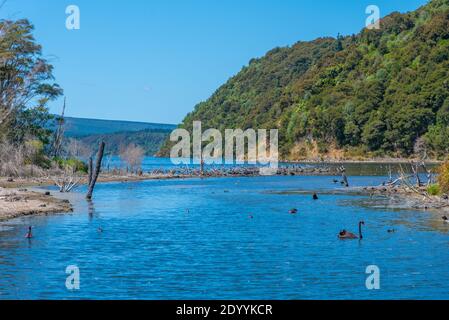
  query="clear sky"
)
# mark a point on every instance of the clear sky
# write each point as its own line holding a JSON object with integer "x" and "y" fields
{"x": 149, "y": 60}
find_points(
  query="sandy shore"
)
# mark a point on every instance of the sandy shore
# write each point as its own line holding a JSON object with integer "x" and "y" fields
{"x": 16, "y": 203}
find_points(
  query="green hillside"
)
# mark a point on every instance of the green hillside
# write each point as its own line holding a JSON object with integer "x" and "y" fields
{"x": 378, "y": 93}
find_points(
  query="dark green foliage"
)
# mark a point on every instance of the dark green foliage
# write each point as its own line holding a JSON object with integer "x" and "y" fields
{"x": 378, "y": 91}
{"x": 30, "y": 122}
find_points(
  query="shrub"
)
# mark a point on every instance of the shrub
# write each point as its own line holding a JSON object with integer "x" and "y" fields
{"x": 443, "y": 177}
{"x": 75, "y": 164}
{"x": 434, "y": 190}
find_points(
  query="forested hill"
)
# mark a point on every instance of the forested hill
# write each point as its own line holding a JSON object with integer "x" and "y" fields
{"x": 81, "y": 127}
{"x": 378, "y": 93}
{"x": 116, "y": 133}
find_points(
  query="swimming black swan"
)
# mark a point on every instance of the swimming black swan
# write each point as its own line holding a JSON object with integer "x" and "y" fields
{"x": 349, "y": 235}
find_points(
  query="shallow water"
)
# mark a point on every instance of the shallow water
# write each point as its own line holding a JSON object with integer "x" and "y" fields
{"x": 194, "y": 239}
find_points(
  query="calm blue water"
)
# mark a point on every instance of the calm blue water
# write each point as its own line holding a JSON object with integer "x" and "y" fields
{"x": 193, "y": 239}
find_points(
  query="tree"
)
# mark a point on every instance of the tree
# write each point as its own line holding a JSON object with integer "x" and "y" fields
{"x": 77, "y": 149}
{"x": 25, "y": 77}
{"x": 437, "y": 139}
{"x": 132, "y": 155}
{"x": 373, "y": 134}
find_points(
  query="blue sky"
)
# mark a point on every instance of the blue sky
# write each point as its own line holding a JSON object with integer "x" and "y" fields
{"x": 148, "y": 60}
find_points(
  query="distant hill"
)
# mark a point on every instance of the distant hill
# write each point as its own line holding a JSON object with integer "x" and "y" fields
{"x": 79, "y": 127}
{"x": 376, "y": 93}
{"x": 150, "y": 140}
{"x": 149, "y": 136}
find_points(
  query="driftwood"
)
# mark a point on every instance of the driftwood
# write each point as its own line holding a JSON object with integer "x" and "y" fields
{"x": 415, "y": 169}
{"x": 405, "y": 180}
{"x": 68, "y": 181}
{"x": 93, "y": 175}
{"x": 345, "y": 181}
{"x": 428, "y": 173}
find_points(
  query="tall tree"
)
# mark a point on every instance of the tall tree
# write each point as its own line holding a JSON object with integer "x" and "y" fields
{"x": 26, "y": 78}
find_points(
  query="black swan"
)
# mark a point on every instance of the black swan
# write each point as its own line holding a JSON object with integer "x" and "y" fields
{"x": 349, "y": 235}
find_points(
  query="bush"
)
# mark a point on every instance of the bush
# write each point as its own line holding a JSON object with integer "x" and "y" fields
{"x": 434, "y": 190}
{"x": 34, "y": 154}
{"x": 19, "y": 160}
{"x": 77, "y": 165}
{"x": 443, "y": 177}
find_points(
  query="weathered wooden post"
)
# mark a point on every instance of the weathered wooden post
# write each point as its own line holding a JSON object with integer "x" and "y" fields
{"x": 90, "y": 171}
{"x": 95, "y": 173}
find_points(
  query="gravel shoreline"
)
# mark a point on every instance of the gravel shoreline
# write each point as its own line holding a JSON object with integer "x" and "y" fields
{"x": 15, "y": 203}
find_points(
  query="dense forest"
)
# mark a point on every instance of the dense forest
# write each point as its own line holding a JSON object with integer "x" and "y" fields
{"x": 378, "y": 93}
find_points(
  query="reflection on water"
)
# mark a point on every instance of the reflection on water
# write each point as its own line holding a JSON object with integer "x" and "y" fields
{"x": 91, "y": 209}
{"x": 195, "y": 239}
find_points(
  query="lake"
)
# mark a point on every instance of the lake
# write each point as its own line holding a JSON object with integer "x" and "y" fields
{"x": 226, "y": 238}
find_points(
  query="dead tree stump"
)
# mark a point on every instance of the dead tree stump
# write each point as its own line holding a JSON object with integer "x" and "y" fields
{"x": 93, "y": 175}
